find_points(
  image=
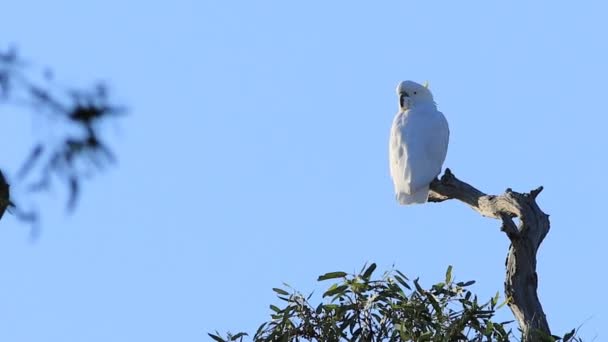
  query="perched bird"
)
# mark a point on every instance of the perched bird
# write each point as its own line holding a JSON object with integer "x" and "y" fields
{"x": 418, "y": 143}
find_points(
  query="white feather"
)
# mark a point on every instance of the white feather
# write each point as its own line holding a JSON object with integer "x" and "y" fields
{"x": 418, "y": 144}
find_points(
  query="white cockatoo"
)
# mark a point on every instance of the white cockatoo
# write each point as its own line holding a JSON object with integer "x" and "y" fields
{"x": 418, "y": 143}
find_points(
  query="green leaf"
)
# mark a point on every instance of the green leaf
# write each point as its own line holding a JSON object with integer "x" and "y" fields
{"x": 402, "y": 275}
{"x": 368, "y": 272}
{"x": 489, "y": 329}
{"x": 260, "y": 328}
{"x": 434, "y": 303}
{"x": 466, "y": 283}
{"x": 405, "y": 336}
{"x": 495, "y": 299}
{"x": 237, "y": 336}
{"x": 569, "y": 335}
{"x": 544, "y": 337}
{"x": 275, "y": 308}
{"x": 506, "y": 301}
{"x": 448, "y": 275}
{"x": 425, "y": 337}
{"x": 335, "y": 290}
{"x": 402, "y": 282}
{"x": 438, "y": 286}
{"x": 217, "y": 338}
{"x": 332, "y": 275}
{"x": 280, "y": 291}
{"x": 419, "y": 288}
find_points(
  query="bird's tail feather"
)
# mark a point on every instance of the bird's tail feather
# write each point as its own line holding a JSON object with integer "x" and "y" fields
{"x": 417, "y": 197}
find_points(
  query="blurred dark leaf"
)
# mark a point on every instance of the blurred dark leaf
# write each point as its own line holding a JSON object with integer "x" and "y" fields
{"x": 369, "y": 271}
{"x": 402, "y": 282}
{"x": 238, "y": 336}
{"x": 467, "y": 283}
{"x": 332, "y": 275}
{"x": 216, "y": 338}
{"x": 77, "y": 149}
{"x": 31, "y": 160}
{"x": 569, "y": 336}
{"x": 280, "y": 291}
{"x": 4, "y": 195}
{"x": 337, "y": 290}
{"x": 73, "y": 195}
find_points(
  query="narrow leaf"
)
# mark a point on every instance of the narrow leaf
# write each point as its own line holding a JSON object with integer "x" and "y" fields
{"x": 217, "y": 338}
{"x": 402, "y": 282}
{"x": 30, "y": 161}
{"x": 434, "y": 303}
{"x": 280, "y": 291}
{"x": 402, "y": 275}
{"x": 569, "y": 335}
{"x": 367, "y": 274}
{"x": 502, "y": 304}
{"x": 466, "y": 283}
{"x": 494, "y": 300}
{"x": 448, "y": 275}
{"x": 260, "y": 328}
{"x": 239, "y": 335}
{"x": 337, "y": 290}
{"x": 419, "y": 289}
{"x": 332, "y": 275}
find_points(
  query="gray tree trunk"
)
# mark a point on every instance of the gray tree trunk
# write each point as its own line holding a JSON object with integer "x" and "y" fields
{"x": 521, "y": 280}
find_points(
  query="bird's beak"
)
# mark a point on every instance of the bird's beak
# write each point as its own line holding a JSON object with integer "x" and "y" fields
{"x": 402, "y": 98}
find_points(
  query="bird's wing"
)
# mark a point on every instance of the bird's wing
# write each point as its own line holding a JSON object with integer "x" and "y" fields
{"x": 398, "y": 154}
{"x": 438, "y": 145}
{"x": 418, "y": 147}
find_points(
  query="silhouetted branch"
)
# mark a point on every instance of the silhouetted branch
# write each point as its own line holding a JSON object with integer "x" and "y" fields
{"x": 79, "y": 149}
{"x": 4, "y": 195}
{"x": 521, "y": 279}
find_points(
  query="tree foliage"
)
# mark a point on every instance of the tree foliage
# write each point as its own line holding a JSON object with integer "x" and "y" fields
{"x": 391, "y": 308}
{"x": 357, "y": 307}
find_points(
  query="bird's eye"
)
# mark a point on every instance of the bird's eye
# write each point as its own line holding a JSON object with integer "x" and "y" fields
{"x": 415, "y": 93}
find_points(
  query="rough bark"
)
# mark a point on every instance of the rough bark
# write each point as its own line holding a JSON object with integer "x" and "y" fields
{"x": 521, "y": 280}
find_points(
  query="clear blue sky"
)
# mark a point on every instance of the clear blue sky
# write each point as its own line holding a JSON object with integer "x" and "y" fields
{"x": 255, "y": 153}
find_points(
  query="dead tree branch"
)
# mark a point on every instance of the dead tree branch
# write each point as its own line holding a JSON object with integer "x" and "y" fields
{"x": 521, "y": 280}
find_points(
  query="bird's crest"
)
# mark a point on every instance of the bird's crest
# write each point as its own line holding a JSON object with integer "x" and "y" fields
{"x": 426, "y": 84}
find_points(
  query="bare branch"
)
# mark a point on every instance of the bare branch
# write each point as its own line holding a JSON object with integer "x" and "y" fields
{"x": 521, "y": 279}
